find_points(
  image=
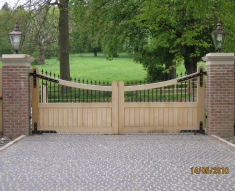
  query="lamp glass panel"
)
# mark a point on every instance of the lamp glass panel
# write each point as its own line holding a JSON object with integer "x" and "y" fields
{"x": 219, "y": 37}
{"x": 15, "y": 41}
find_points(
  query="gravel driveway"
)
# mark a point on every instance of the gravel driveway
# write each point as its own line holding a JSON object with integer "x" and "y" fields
{"x": 114, "y": 162}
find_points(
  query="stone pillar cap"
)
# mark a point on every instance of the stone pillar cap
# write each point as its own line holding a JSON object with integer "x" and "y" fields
{"x": 16, "y": 59}
{"x": 218, "y": 56}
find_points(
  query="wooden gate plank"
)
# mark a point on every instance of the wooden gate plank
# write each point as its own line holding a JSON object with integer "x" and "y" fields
{"x": 137, "y": 117}
{"x": 127, "y": 117}
{"x": 55, "y": 117}
{"x": 90, "y": 117}
{"x": 132, "y": 117}
{"x": 156, "y": 118}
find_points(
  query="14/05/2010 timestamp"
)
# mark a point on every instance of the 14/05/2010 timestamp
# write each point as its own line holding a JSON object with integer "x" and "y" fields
{"x": 209, "y": 170}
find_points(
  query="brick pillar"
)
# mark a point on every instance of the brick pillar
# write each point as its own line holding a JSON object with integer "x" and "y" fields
{"x": 220, "y": 94}
{"x": 16, "y": 94}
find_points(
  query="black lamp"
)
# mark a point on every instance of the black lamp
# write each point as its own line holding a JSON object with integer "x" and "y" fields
{"x": 16, "y": 38}
{"x": 219, "y": 37}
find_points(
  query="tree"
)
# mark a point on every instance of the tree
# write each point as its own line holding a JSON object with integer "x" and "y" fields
{"x": 8, "y": 18}
{"x": 64, "y": 38}
{"x": 37, "y": 7}
{"x": 6, "y": 7}
{"x": 159, "y": 33}
{"x": 182, "y": 29}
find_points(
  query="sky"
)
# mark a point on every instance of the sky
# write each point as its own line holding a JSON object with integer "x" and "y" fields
{"x": 12, "y": 3}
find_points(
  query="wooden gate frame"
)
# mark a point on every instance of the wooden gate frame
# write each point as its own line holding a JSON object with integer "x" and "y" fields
{"x": 107, "y": 123}
{"x": 171, "y": 117}
{"x": 120, "y": 110}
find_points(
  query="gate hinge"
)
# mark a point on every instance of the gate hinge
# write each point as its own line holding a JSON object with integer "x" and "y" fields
{"x": 200, "y": 74}
{"x": 195, "y": 131}
{"x": 35, "y": 127}
{"x": 40, "y": 132}
{"x": 201, "y": 125}
{"x": 35, "y": 76}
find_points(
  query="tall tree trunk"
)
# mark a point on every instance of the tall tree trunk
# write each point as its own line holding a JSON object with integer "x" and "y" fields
{"x": 41, "y": 56}
{"x": 190, "y": 63}
{"x": 190, "y": 67}
{"x": 64, "y": 39}
{"x": 95, "y": 52}
{"x": 172, "y": 68}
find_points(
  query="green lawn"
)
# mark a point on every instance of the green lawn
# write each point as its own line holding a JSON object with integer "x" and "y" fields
{"x": 86, "y": 66}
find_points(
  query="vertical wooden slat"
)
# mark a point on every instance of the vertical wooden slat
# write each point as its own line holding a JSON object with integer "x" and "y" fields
{"x": 137, "y": 117}
{"x": 115, "y": 121}
{"x": 132, "y": 117}
{"x": 189, "y": 87}
{"x": 176, "y": 117}
{"x": 160, "y": 117}
{"x": 141, "y": 117}
{"x": 46, "y": 117}
{"x": 171, "y": 117}
{"x": 121, "y": 107}
{"x": 79, "y": 117}
{"x": 99, "y": 117}
{"x": 75, "y": 116}
{"x": 40, "y": 119}
{"x": 51, "y": 117}
{"x": 65, "y": 117}
{"x": 56, "y": 117}
{"x": 90, "y": 117}
{"x": 180, "y": 117}
{"x": 155, "y": 117}
{"x": 185, "y": 117}
{"x": 94, "y": 117}
{"x": 104, "y": 117}
{"x": 190, "y": 117}
{"x": 151, "y": 117}
{"x": 166, "y": 117}
{"x": 84, "y": 117}
{"x": 109, "y": 117}
{"x": 44, "y": 94}
{"x": 127, "y": 117}
{"x": 195, "y": 117}
{"x": 70, "y": 117}
{"x": 146, "y": 117}
{"x": 61, "y": 118}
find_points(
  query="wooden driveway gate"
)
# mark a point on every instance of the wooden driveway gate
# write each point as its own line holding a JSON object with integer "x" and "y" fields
{"x": 118, "y": 114}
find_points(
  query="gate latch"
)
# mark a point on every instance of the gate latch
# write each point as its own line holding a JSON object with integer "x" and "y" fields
{"x": 0, "y": 97}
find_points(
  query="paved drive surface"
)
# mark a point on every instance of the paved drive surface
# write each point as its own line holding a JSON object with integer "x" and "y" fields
{"x": 111, "y": 162}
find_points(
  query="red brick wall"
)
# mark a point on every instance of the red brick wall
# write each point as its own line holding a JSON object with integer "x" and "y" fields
{"x": 220, "y": 99}
{"x": 16, "y": 95}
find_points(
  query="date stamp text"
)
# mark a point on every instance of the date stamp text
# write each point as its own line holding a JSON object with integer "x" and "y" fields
{"x": 209, "y": 170}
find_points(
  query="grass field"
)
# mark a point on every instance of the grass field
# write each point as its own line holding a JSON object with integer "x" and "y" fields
{"x": 86, "y": 66}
